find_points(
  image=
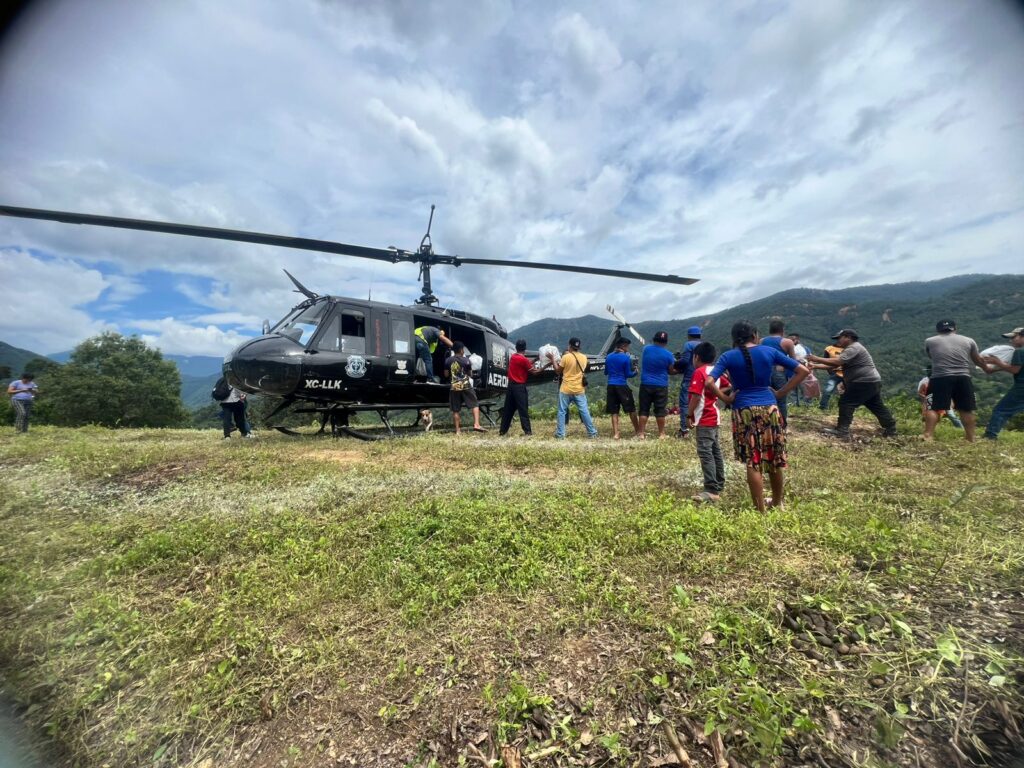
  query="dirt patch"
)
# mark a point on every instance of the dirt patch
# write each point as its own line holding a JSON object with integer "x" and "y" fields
{"x": 156, "y": 476}
{"x": 345, "y": 458}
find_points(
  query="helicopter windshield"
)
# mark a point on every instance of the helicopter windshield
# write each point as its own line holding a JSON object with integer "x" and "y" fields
{"x": 301, "y": 324}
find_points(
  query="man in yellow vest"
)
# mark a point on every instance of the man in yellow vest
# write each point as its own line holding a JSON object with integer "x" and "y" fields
{"x": 427, "y": 337}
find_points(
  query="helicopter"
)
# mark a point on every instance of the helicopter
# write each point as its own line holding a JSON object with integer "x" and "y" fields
{"x": 335, "y": 356}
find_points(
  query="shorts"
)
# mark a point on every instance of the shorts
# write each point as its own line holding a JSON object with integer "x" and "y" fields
{"x": 653, "y": 396}
{"x": 758, "y": 437}
{"x": 957, "y": 389}
{"x": 462, "y": 397}
{"x": 619, "y": 396}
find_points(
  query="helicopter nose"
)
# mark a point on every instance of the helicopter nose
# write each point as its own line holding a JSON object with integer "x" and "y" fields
{"x": 268, "y": 365}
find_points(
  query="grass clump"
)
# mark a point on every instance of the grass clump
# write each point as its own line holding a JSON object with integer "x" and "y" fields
{"x": 170, "y": 598}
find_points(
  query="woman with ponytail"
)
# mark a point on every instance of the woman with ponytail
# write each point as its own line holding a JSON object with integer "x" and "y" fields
{"x": 758, "y": 433}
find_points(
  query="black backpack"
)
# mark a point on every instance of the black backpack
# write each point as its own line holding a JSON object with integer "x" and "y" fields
{"x": 221, "y": 390}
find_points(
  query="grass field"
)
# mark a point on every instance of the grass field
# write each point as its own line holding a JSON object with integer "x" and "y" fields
{"x": 171, "y": 599}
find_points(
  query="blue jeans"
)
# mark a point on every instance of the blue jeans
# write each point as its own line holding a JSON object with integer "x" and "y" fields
{"x": 1011, "y": 404}
{"x": 684, "y": 404}
{"x": 564, "y": 401}
{"x": 828, "y": 389}
{"x": 423, "y": 353}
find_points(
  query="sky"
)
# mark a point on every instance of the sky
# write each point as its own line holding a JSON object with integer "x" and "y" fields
{"x": 756, "y": 145}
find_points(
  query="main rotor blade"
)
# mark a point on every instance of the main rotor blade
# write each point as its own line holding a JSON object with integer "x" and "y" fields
{"x": 215, "y": 233}
{"x": 458, "y": 260}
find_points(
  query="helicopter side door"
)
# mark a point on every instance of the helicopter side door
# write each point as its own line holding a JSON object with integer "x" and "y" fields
{"x": 402, "y": 350}
{"x": 345, "y": 348}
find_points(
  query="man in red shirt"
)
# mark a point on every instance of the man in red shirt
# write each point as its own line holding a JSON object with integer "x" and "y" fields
{"x": 516, "y": 397}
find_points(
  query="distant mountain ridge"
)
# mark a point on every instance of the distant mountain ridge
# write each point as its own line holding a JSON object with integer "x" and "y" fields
{"x": 188, "y": 365}
{"x": 15, "y": 358}
{"x": 893, "y": 321}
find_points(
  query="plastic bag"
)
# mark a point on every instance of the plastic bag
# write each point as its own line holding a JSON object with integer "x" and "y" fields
{"x": 476, "y": 362}
{"x": 1003, "y": 351}
{"x": 548, "y": 354}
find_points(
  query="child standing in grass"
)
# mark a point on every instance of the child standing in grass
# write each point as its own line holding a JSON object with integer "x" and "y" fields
{"x": 703, "y": 416}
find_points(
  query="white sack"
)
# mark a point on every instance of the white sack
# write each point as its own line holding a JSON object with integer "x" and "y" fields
{"x": 548, "y": 354}
{"x": 1003, "y": 351}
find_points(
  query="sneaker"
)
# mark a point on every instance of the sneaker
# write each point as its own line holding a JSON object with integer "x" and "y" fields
{"x": 227, "y": 437}
{"x": 840, "y": 434}
{"x": 888, "y": 433}
{"x": 250, "y": 436}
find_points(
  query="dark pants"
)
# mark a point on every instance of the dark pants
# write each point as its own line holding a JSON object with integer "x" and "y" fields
{"x": 1011, "y": 404}
{"x": 868, "y": 394}
{"x": 22, "y": 411}
{"x": 234, "y": 411}
{"x": 826, "y": 391}
{"x": 711, "y": 462}
{"x": 684, "y": 405}
{"x": 517, "y": 399}
{"x": 779, "y": 380}
{"x": 423, "y": 353}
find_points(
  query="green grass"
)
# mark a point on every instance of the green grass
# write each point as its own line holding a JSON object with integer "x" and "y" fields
{"x": 170, "y": 599}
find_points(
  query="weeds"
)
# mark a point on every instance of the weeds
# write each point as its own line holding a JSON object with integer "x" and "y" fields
{"x": 167, "y": 598}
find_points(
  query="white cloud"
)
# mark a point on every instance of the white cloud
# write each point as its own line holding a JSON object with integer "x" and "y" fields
{"x": 174, "y": 337}
{"x": 763, "y": 143}
{"x": 41, "y": 299}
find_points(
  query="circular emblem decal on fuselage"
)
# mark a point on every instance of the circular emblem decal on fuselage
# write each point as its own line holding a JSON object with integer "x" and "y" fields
{"x": 355, "y": 367}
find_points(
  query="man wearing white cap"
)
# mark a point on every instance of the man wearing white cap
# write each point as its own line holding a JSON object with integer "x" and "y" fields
{"x": 1013, "y": 401}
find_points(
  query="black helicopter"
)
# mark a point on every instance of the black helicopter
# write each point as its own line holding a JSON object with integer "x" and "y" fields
{"x": 335, "y": 356}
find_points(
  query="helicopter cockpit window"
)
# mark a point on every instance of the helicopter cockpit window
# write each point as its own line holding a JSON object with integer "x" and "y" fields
{"x": 353, "y": 331}
{"x": 400, "y": 337}
{"x": 301, "y": 325}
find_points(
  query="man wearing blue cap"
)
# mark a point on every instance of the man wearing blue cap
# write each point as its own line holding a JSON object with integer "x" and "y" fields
{"x": 684, "y": 365}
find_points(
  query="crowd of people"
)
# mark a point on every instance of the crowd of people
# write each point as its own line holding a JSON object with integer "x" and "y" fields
{"x": 754, "y": 378}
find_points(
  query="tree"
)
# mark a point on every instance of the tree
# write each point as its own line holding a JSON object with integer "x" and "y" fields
{"x": 116, "y": 381}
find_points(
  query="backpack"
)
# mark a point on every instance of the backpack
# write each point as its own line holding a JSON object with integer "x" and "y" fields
{"x": 221, "y": 390}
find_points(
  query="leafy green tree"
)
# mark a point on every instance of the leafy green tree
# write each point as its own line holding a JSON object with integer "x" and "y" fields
{"x": 116, "y": 381}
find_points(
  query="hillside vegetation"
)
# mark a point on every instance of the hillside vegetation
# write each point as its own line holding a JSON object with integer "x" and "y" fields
{"x": 172, "y": 599}
{"x": 893, "y": 321}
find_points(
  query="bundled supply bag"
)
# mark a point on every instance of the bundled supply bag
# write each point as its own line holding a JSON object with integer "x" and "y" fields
{"x": 548, "y": 353}
{"x": 1003, "y": 351}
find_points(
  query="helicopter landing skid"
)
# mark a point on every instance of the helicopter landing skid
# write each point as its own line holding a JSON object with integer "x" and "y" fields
{"x": 334, "y": 420}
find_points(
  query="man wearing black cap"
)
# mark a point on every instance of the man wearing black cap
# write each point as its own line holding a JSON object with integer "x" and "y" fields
{"x": 656, "y": 365}
{"x": 952, "y": 355}
{"x": 861, "y": 381}
{"x": 619, "y": 368}
{"x": 573, "y": 389}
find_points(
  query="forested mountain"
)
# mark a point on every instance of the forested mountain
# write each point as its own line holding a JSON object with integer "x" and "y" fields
{"x": 15, "y": 360}
{"x": 893, "y": 321}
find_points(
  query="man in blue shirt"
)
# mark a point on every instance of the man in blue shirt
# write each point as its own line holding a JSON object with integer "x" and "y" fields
{"x": 619, "y": 368}
{"x": 656, "y": 365}
{"x": 684, "y": 364}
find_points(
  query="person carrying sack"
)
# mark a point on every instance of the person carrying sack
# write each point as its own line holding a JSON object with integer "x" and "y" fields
{"x": 572, "y": 368}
